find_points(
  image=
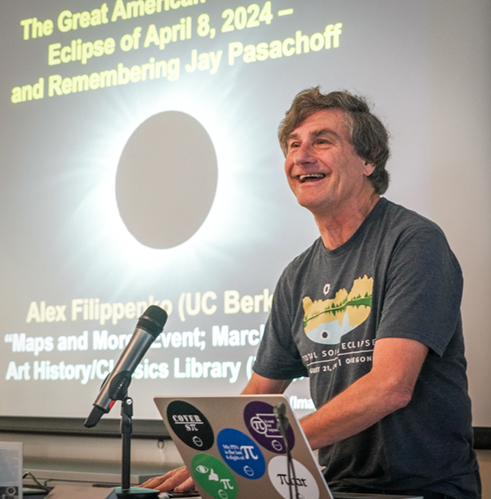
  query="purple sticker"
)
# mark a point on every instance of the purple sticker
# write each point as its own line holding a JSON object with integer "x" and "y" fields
{"x": 262, "y": 423}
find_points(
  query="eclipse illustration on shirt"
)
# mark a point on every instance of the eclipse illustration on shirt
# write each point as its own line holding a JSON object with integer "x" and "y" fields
{"x": 326, "y": 321}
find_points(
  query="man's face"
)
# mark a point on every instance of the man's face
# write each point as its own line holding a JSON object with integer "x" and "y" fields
{"x": 322, "y": 168}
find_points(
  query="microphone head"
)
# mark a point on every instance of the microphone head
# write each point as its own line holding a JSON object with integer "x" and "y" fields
{"x": 279, "y": 410}
{"x": 94, "y": 416}
{"x": 153, "y": 320}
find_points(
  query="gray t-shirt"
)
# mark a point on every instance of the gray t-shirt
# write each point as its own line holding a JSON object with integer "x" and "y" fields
{"x": 395, "y": 277}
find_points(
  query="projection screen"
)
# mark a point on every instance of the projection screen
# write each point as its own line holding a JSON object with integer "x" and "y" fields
{"x": 140, "y": 166}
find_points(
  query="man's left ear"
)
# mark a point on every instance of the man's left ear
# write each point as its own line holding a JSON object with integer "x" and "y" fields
{"x": 368, "y": 168}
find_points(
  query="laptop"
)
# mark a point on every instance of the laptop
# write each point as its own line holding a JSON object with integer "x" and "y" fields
{"x": 11, "y": 470}
{"x": 246, "y": 447}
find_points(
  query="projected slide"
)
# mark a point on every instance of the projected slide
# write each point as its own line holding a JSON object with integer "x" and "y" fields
{"x": 140, "y": 166}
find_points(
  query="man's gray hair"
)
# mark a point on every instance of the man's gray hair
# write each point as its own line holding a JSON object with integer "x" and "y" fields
{"x": 368, "y": 135}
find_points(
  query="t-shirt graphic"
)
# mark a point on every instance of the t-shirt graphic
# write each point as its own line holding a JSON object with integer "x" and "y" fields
{"x": 325, "y": 321}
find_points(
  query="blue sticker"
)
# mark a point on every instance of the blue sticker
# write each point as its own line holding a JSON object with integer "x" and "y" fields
{"x": 241, "y": 453}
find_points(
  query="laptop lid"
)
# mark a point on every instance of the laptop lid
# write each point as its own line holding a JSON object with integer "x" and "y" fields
{"x": 11, "y": 470}
{"x": 234, "y": 449}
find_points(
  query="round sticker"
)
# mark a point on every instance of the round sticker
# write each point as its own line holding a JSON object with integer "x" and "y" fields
{"x": 262, "y": 423}
{"x": 214, "y": 477}
{"x": 298, "y": 483}
{"x": 241, "y": 453}
{"x": 190, "y": 425}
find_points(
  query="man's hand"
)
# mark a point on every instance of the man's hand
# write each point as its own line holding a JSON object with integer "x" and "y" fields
{"x": 179, "y": 480}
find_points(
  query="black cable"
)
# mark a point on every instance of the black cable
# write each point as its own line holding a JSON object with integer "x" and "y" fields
{"x": 282, "y": 426}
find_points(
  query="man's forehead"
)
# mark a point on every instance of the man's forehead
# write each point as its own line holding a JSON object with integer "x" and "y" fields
{"x": 324, "y": 122}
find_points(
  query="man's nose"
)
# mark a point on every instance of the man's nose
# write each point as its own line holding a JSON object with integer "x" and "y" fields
{"x": 303, "y": 154}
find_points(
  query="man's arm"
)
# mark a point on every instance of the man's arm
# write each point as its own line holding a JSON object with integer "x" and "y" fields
{"x": 386, "y": 388}
{"x": 259, "y": 385}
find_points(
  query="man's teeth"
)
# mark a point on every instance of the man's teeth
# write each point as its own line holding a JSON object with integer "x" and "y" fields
{"x": 311, "y": 176}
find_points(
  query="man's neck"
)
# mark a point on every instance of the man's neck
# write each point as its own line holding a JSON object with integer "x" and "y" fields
{"x": 336, "y": 229}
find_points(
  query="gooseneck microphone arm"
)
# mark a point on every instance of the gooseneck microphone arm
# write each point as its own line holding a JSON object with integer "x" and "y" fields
{"x": 282, "y": 425}
{"x": 115, "y": 387}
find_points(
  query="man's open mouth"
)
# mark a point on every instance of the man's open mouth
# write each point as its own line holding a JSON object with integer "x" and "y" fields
{"x": 310, "y": 177}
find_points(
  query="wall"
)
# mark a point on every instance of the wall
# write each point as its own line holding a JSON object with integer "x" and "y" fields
{"x": 461, "y": 126}
{"x": 485, "y": 465}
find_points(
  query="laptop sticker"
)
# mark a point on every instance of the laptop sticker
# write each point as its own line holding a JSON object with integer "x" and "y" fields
{"x": 190, "y": 425}
{"x": 298, "y": 481}
{"x": 263, "y": 425}
{"x": 241, "y": 453}
{"x": 214, "y": 477}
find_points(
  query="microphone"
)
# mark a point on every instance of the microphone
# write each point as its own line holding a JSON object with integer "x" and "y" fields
{"x": 115, "y": 386}
{"x": 281, "y": 419}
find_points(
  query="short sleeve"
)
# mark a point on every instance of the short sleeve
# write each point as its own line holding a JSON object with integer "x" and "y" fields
{"x": 278, "y": 356}
{"x": 423, "y": 290}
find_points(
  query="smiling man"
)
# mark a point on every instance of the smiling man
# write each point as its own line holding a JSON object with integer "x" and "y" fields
{"x": 371, "y": 313}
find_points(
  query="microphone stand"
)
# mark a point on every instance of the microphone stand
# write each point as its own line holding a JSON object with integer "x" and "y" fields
{"x": 282, "y": 425}
{"x": 126, "y": 491}
{"x": 115, "y": 387}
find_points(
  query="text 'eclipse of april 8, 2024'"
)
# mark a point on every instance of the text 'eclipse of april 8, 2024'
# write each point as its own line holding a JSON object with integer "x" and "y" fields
{"x": 174, "y": 39}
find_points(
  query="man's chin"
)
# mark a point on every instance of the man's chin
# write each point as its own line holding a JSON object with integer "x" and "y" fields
{"x": 311, "y": 202}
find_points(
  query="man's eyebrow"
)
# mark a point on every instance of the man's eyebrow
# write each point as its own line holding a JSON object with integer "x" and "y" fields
{"x": 316, "y": 133}
{"x": 325, "y": 131}
{"x": 292, "y": 136}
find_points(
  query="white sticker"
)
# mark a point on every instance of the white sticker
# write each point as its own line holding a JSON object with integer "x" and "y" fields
{"x": 301, "y": 480}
